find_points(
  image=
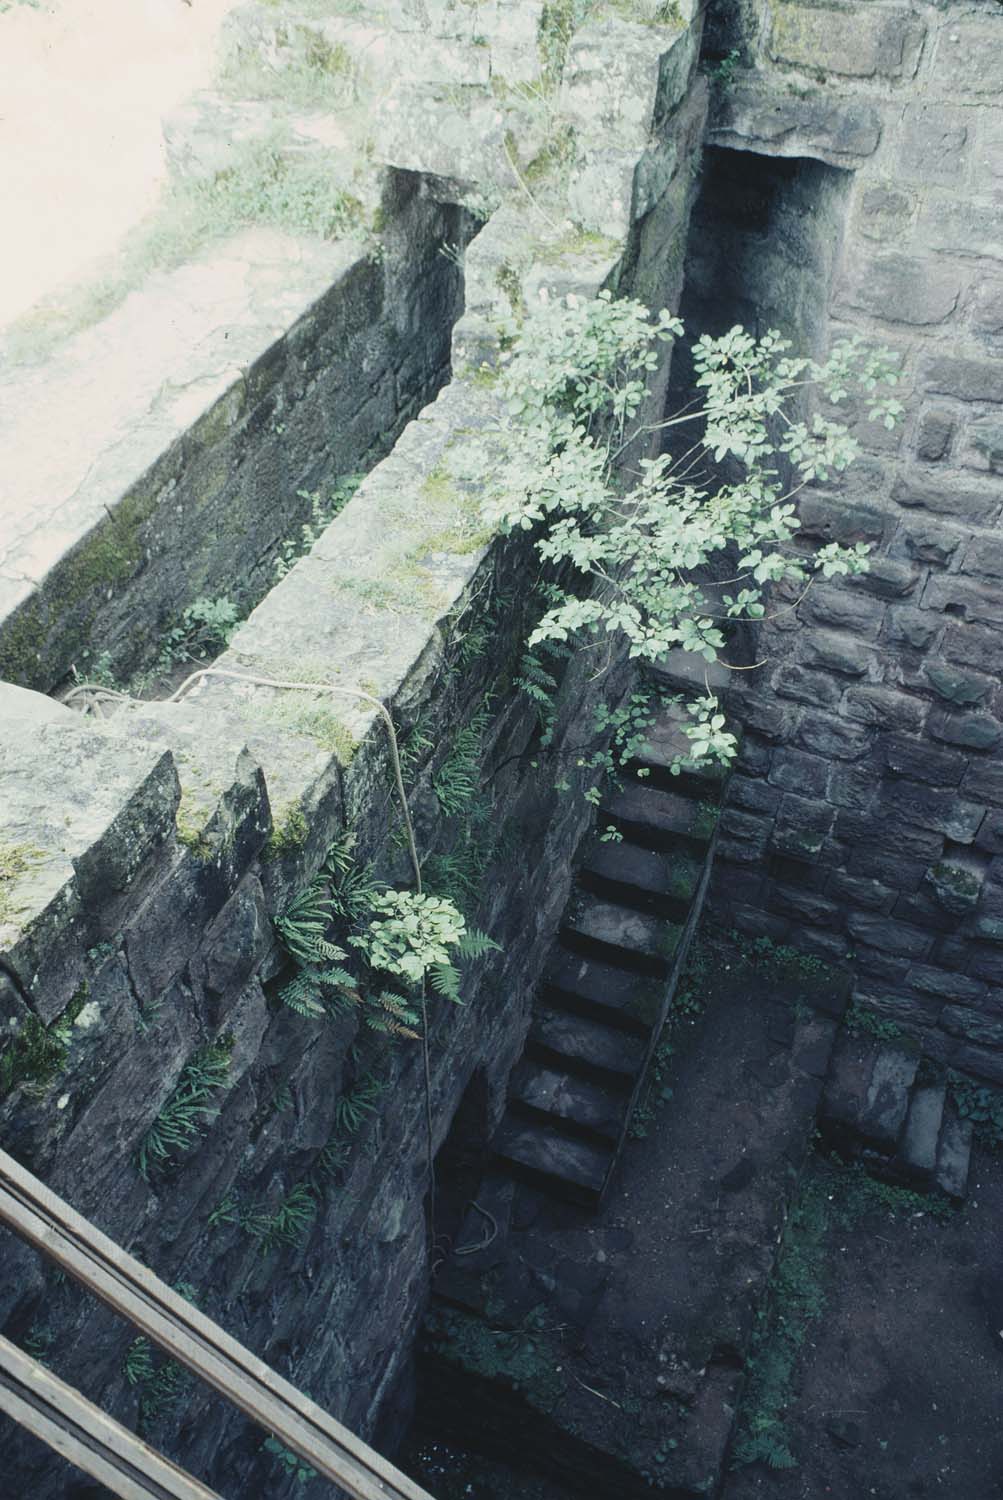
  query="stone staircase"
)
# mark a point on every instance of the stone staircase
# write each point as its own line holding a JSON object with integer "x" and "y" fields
{"x": 879, "y": 1107}
{"x": 610, "y": 978}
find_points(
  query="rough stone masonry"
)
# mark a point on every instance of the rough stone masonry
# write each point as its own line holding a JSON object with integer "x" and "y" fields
{"x": 866, "y": 818}
{"x": 146, "y": 857}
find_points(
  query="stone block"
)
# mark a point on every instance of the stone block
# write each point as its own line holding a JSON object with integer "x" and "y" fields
{"x": 973, "y": 731}
{"x": 964, "y": 596}
{"x": 833, "y": 738}
{"x": 922, "y": 761}
{"x": 831, "y": 604}
{"x": 911, "y": 628}
{"x": 870, "y": 862}
{"x": 830, "y": 518}
{"x": 890, "y": 834}
{"x": 885, "y": 578}
{"x": 961, "y": 227}
{"x": 888, "y": 935}
{"x": 979, "y": 1062}
{"x": 815, "y": 688}
{"x": 930, "y": 542}
{"x": 834, "y": 653}
{"x": 877, "y": 965}
{"x": 748, "y": 116}
{"x": 800, "y": 828}
{"x": 983, "y": 782}
{"x": 933, "y": 144}
{"x": 948, "y": 495}
{"x": 806, "y": 907}
{"x": 908, "y": 1010}
{"x": 859, "y": 890}
{"x": 795, "y": 872}
{"x": 753, "y": 795}
{"x": 963, "y": 689}
{"x": 973, "y": 646}
{"x": 742, "y": 836}
{"x": 794, "y": 771}
{"x": 235, "y": 943}
{"x": 985, "y": 961}
{"x": 985, "y": 439}
{"x": 990, "y": 835}
{"x": 931, "y": 807}
{"x": 898, "y": 288}
{"x": 984, "y": 555}
{"x": 867, "y": 44}
{"x": 754, "y": 755}
{"x": 885, "y": 211}
{"x": 934, "y": 433}
{"x": 969, "y": 57}
{"x": 852, "y": 786}
{"x": 962, "y": 378}
{"x": 761, "y": 713}
{"x": 921, "y": 910}
{"x": 884, "y": 707}
{"x": 957, "y": 988}
{"x": 987, "y": 309}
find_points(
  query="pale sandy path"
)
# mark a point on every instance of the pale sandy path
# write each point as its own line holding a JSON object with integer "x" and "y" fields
{"x": 84, "y": 85}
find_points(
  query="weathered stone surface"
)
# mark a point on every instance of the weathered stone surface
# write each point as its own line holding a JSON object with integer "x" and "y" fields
{"x": 922, "y": 761}
{"x": 927, "y": 541}
{"x": 964, "y": 689}
{"x": 934, "y": 143}
{"x": 804, "y": 686}
{"x": 832, "y": 737}
{"x": 974, "y": 731}
{"x": 932, "y": 981}
{"x": 884, "y": 211}
{"x": 883, "y": 43}
{"x": 932, "y": 808}
{"x": 887, "y": 1101}
{"x": 890, "y": 936}
{"x": 884, "y": 707}
{"x": 750, "y": 117}
{"x": 921, "y": 1135}
{"x": 954, "y": 1151}
{"x": 899, "y": 288}
{"x": 835, "y": 653}
{"x": 969, "y": 57}
{"x": 793, "y": 771}
{"x": 934, "y": 433}
{"x": 886, "y": 578}
{"x": 955, "y": 888}
{"x": 911, "y": 628}
{"x": 963, "y": 379}
{"x": 857, "y": 890}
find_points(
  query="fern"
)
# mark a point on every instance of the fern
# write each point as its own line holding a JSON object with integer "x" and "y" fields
{"x": 540, "y": 687}
{"x": 352, "y": 1108}
{"x": 138, "y": 1364}
{"x": 475, "y": 944}
{"x": 180, "y": 1121}
{"x": 458, "y": 780}
{"x": 304, "y": 923}
{"x": 393, "y": 1016}
{"x": 302, "y": 995}
{"x": 445, "y": 980}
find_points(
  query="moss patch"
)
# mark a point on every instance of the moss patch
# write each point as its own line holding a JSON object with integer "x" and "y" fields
{"x": 37, "y": 1054}
{"x": 16, "y": 860}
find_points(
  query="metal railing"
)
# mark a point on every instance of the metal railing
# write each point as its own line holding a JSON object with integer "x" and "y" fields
{"x": 93, "y": 1441}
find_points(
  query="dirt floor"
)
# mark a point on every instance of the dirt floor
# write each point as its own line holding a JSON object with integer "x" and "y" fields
{"x": 898, "y": 1390}
{"x": 876, "y": 1367}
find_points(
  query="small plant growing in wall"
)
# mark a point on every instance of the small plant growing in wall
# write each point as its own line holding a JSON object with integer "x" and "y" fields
{"x": 626, "y": 538}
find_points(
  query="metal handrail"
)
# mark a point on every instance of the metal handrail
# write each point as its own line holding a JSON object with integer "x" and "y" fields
{"x": 47, "y": 1222}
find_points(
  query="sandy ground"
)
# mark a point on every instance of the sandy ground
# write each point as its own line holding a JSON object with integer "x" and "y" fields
{"x": 84, "y": 85}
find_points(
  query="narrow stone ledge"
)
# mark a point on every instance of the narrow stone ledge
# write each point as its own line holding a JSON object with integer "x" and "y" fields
{"x": 86, "y": 814}
{"x": 754, "y": 115}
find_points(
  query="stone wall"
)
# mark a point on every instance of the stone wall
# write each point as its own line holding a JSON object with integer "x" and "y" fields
{"x": 146, "y": 856}
{"x": 226, "y": 395}
{"x": 866, "y": 819}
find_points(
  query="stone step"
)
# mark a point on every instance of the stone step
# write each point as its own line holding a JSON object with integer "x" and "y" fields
{"x": 954, "y": 1153}
{"x": 578, "y": 1045}
{"x": 651, "y": 879}
{"x": 689, "y": 673}
{"x": 664, "y": 745}
{"x": 887, "y": 1101}
{"x": 573, "y": 1104}
{"x": 602, "y": 992}
{"x": 660, "y": 819}
{"x": 844, "y": 1096}
{"x": 547, "y": 1158}
{"x": 917, "y": 1155}
{"x": 621, "y": 935}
